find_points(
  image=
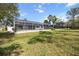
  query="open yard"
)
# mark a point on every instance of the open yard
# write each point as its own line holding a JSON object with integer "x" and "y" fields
{"x": 50, "y": 43}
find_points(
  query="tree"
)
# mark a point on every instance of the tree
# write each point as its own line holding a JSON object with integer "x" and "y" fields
{"x": 8, "y": 11}
{"x": 52, "y": 19}
{"x": 46, "y": 21}
{"x": 69, "y": 23}
{"x": 77, "y": 22}
{"x": 72, "y": 13}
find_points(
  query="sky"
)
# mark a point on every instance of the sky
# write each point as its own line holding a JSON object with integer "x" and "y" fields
{"x": 40, "y": 11}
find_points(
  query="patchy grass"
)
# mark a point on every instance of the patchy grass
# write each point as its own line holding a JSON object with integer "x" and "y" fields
{"x": 10, "y": 50}
{"x": 64, "y": 43}
{"x": 44, "y": 36}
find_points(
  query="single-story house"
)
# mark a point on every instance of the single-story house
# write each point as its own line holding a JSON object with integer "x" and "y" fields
{"x": 28, "y": 25}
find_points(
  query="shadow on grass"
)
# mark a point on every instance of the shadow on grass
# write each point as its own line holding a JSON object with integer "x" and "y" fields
{"x": 6, "y": 51}
{"x": 6, "y": 37}
{"x": 44, "y": 36}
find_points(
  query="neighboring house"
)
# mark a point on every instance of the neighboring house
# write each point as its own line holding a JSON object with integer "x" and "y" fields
{"x": 27, "y": 25}
{"x": 59, "y": 25}
{"x": 47, "y": 26}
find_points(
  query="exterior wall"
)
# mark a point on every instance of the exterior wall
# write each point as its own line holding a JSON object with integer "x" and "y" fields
{"x": 27, "y": 26}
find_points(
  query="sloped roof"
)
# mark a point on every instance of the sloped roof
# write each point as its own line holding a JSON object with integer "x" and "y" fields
{"x": 28, "y": 21}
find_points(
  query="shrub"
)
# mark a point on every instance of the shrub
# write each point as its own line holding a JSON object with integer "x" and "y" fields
{"x": 45, "y": 32}
{"x": 36, "y": 39}
{"x": 33, "y": 40}
{"x": 8, "y": 50}
{"x": 44, "y": 36}
{"x": 52, "y": 28}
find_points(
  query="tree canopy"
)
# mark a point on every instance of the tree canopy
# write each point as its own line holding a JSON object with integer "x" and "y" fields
{"x": 52, "y": 19}
{"x": 46, "y": 21}
{"x": 72, "y": 14}
{"x": 8, "y": 11}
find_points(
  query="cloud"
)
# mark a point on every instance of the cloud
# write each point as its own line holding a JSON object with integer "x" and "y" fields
{"x": 62, "y": 16}
{"x": 40, "y": 6}
{"x": 39, "y": 10}
{"x": 23, "y": 14}
{"x": 70, "y": 4}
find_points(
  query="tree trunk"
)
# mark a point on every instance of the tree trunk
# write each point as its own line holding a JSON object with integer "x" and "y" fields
{"x": 53, "y": 25}
{"x": 73, "y": 24}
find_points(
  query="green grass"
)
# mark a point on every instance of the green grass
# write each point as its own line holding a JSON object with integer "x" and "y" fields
{"x": 64, "y": 43}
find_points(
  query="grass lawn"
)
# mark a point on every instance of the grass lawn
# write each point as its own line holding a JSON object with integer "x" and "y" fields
{"x": 64, "y": 43}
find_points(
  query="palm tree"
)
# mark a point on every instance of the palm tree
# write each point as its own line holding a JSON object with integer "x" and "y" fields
{"x": 46, "y": 21}
{"x": 52, "y": 19}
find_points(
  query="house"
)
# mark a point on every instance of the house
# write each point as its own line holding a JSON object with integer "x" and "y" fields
{"x": 27, "y": 25}
{"x": 59, "y": 25}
